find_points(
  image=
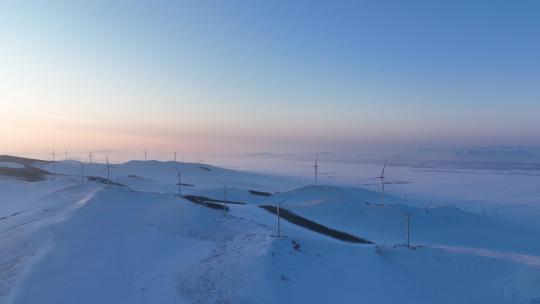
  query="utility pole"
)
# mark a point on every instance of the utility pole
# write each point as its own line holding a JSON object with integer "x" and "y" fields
{"x": 66, "y": 155}
{"x": 175, "y": 155}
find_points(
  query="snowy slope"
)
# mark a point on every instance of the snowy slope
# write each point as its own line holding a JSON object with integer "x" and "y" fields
{"x": 63, "y": 242}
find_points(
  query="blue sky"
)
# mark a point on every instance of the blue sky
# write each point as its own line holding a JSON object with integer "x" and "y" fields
{"x": 269, "y": 75}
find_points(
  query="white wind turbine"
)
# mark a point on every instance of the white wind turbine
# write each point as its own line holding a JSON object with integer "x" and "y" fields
{"x": 316, "y": 168}
{"x": 408, "y": 223}
{"x": 278, "y": 206}
{"x": 381, "y": 178}
{"x": 108, "y": 167}
{"x": 82, "y": 171}
{"x": 145, "y": 153}
{"x": 225, "y": 197}
{"x": 54, "y": 161}
{"x": 179, "y": 182}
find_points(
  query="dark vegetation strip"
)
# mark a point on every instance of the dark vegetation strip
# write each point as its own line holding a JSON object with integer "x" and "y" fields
{"x": 187, "y": 185}
{"x": 201, "y": 200}
{"x": 105, "y": 181}
{"x": 260, "y": 193}
{"x": 207, "y": 199}
{"x": 313, "y": 226}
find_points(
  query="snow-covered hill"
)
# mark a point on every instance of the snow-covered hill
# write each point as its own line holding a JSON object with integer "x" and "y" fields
{"x": 139, "y": 242}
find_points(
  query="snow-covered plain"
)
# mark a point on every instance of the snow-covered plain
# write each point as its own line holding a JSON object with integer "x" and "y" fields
{"x": 139, "y": 242}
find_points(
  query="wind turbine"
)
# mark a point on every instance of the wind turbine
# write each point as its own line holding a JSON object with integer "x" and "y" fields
{"x": 179, "y": 183}
{"x": 82, "y": 172}
{"x": 54, "y": 161}
{"x": 145, "y": 153}
{"x": 382, "y": 182}
{"x": 108, "y": 166}
{"x": 66, "y": 155}
{"x": 278, "y": 206}
{"x": 408, "y": 222}
{"x": 316, "y": 168}
{"x": 225, "y": 197}
{"x": 90, "y": 157}
{"x": 175, "y": 155}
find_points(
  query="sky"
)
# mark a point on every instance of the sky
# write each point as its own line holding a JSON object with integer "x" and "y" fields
{"x": 251, "y": 76}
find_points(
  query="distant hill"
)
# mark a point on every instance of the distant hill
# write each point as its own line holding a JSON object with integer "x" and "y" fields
{"x": 27, "y": 172}
{"x": 497, "y": 155}
{"x": 20, "y": 160}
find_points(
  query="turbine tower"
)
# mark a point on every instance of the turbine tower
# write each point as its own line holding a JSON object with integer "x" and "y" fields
{"x": 382, "y": 182}
{"x": 90, "y": 157}
{"x": 175, "y": 155}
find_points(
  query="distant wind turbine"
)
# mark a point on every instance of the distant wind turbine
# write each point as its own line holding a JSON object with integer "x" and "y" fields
{"x": 316, "y": 168}
{"x": 90, "y": 157}
{"x": 145, "y": 153}
{"x": 54, "y": 161}
{"x": 175, "y": 155}
{"x": 179, "y": 182}
{"x": 225, "y": 197}
{"x": 278, "y": 206}
{"x": 382, "y": 182}
{"x": 109, "y": 166}
{"x": 66, "y": 155}
{"x": 82, "y": 172}
{"x": 408, "y": 222}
